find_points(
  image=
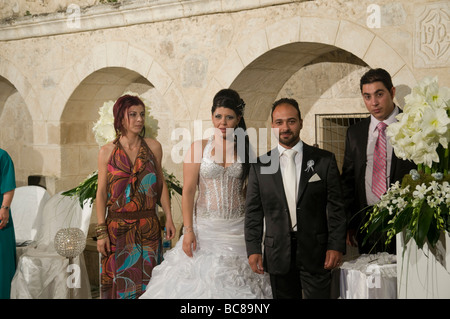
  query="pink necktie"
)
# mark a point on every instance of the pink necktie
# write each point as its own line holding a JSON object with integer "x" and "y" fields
{"x": 379, "y": 162}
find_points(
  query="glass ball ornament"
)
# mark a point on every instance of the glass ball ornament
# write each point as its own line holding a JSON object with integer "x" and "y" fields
{"x": 70, "y": 242}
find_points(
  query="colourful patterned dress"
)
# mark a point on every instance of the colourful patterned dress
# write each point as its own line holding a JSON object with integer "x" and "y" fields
{"x": 133, "y": 226}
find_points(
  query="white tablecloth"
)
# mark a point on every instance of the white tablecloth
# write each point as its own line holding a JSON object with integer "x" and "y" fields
{"x": 369, "y": 277}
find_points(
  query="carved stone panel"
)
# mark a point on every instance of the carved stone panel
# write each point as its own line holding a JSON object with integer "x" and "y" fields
{"x": 432, "y": 35}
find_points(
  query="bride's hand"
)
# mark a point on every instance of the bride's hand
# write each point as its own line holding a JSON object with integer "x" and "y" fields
{"x": 189, "y": 243}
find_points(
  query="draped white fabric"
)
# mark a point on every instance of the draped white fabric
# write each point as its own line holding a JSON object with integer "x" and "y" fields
{"x": 369, "y": 277}
{"x": 218, "y": 269}
{"x": 26, "y": 203}
{"x": 42, "y": 273}
{"x": 213, "y": 238}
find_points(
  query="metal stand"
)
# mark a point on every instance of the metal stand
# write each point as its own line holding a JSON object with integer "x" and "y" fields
{"x": 67, "y": 283}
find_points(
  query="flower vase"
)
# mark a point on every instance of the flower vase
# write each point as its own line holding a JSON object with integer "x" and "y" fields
{"x": 423, "y": 273}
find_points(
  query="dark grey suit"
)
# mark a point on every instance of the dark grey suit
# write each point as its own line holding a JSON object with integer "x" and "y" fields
{"x": 321, "y": 216}
{"x": 353, "y": 178}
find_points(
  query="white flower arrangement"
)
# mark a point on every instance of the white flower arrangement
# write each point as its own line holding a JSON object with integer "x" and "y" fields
{"x": 419, "y": 206}
{"x": 423, "y": 125}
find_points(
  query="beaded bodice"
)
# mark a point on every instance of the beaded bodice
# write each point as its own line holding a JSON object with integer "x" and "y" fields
{"x": 219, "y": 189}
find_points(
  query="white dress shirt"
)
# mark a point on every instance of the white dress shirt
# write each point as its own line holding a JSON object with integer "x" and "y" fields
{"x": 298, "y": 164}
{"x": 371, "y": 141}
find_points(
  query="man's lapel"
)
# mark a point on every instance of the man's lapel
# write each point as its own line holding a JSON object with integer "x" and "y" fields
{"x": 359, "y": 142}
{"x": 277, "y": 179}
{"x": 307, "y": 171}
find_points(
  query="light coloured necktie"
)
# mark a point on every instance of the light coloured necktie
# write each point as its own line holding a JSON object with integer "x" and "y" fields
{"x": 379, "y": 162}
{"x": 290, "y": 184}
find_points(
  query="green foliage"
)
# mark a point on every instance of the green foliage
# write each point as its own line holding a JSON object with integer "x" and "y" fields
{"x": 420, "y": 208}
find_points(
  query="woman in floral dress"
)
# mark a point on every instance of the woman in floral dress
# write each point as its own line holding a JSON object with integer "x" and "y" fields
{"x": 130, "y": 183}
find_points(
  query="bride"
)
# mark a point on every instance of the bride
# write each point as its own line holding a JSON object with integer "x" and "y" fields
{"x": 210, "y": 259}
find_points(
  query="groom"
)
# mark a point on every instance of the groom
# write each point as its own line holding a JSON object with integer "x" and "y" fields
{"x": 301, "y": 244}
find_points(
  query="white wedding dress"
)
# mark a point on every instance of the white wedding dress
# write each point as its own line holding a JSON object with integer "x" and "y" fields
{"x": 219, "y": 267}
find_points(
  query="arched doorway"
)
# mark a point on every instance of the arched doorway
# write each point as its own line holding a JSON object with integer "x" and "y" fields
{"x": 16, "y": 133}
{"x": 79, "y": 150}
{"x": 94, "y": 80}
{"x": 315, "y": 60}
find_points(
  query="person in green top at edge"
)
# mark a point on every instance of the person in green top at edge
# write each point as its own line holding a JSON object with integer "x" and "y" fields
{"x": 7, "y": 236}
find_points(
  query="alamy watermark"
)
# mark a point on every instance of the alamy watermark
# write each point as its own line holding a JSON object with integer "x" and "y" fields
{"x": 182, "y": 151}
{"x": 73, "y": 13}
{"x": 374, "y": 16}
{"x": 373, "y": 279}
{"x": 74, "y": 279}
{"x": 73, "y": 20}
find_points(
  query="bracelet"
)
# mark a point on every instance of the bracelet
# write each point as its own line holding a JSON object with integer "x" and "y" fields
{"x": 188, "y": 229}
{"x": 102, "y": 236}
{"x": 101, "y": 231}
{"x": 6, "y": 207}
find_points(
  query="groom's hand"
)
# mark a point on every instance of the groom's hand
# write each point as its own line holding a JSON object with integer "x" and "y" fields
{"x": 333, "y": 259}
{"x": 255, "y": 262}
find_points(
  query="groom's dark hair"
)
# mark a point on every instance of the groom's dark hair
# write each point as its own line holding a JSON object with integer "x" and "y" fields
{"x": 289, "y": 101}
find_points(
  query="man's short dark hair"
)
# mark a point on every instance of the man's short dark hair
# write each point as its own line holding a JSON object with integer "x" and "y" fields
{"x": 289, "y": 101}
{"x": 376, "y": 75}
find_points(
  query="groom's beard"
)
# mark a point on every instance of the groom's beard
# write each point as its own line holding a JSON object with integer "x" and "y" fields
{"x": 288, "y": 138}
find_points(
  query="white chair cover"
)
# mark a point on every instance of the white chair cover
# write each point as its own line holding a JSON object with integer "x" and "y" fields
{"x": 26, "y": 203}
{"x": 42, "y": 273}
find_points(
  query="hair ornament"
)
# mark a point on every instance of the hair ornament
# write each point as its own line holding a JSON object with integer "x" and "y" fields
{"x": 241, "y": 106}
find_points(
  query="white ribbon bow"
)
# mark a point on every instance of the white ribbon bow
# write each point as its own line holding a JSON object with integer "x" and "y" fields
{"x": 309, "y": 166}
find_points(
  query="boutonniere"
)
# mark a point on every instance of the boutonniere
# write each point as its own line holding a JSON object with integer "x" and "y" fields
{"x": 309, "y": 166}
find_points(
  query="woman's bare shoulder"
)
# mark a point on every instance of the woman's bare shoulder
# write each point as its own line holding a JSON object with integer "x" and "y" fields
{"x": 152, "y": 143}
{"x": 106, "y": 150}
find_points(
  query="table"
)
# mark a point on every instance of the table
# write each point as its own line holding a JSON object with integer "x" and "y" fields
{"x": 369, "y": 277}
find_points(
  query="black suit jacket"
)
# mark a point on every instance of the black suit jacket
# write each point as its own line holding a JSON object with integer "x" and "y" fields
{"x": 354, "y": 170}
{"x": 321, "y": 219}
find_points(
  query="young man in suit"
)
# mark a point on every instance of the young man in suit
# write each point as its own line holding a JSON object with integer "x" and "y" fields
{"x": 360, "y": 171}
{"x": 305, "y": 240}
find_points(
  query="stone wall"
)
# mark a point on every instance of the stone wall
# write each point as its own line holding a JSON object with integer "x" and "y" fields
{"x": 16, "y": 9}
{"x": 62, "y": 61}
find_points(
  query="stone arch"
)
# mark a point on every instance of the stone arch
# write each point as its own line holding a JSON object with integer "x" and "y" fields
{"x": 119, "y": 54}
{"x": 107, "y": 72}
{"x": 16, "y": 130}
{"x": 270, "y": 56}
{"x": 12, "y": 75}
{"x": 6, "y": 90}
